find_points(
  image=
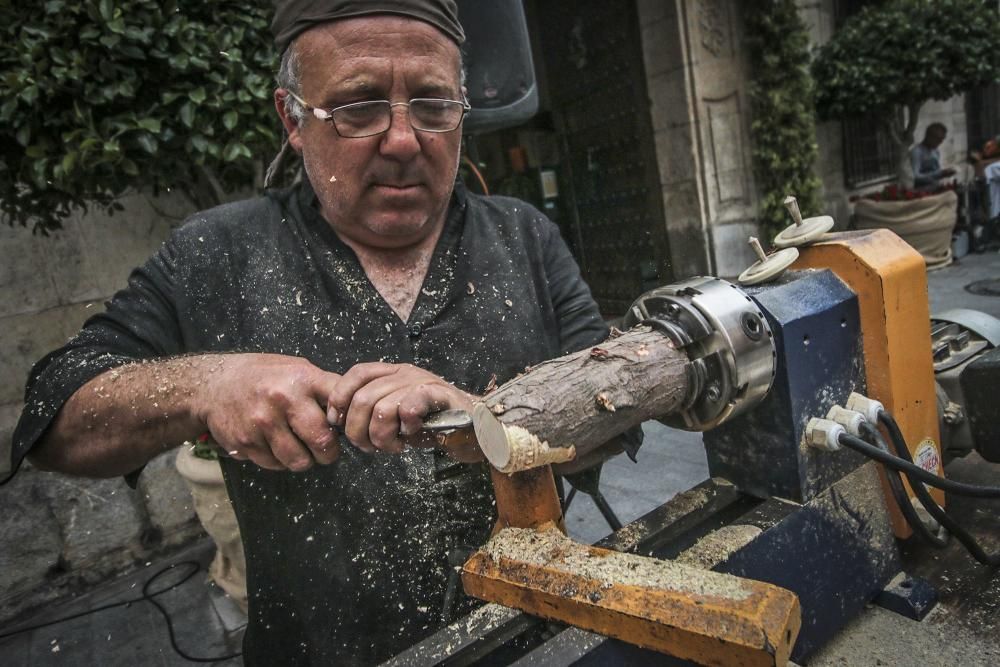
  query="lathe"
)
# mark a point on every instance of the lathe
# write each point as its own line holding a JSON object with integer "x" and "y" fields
{"x": 793, "y": 534}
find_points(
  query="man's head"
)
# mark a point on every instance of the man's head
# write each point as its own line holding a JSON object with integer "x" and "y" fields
{"x": 934, "y": 135}
{"x": 388, "y": 190}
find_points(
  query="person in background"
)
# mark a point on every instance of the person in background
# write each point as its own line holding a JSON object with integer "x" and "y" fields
{"x": 926, "y": 158}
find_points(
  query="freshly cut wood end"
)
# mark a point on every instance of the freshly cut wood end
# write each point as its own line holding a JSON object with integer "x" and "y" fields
{"x": 512, "y": 448}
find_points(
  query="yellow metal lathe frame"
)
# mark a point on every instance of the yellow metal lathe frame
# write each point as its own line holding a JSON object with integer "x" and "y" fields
{"x": 890, "y": 279}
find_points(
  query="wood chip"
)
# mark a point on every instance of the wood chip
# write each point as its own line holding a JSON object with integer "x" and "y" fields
{"x": 604, "y": 402}
{"x": 599, "y": 353}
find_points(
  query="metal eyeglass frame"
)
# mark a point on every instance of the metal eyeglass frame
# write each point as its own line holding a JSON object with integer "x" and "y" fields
{"x": 327, "y": 114}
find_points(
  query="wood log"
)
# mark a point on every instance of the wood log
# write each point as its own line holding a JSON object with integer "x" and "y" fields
{"x": 573, "y": 404}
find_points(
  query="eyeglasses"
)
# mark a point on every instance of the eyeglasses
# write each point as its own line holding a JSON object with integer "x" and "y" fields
{"x": 366, "y": 119}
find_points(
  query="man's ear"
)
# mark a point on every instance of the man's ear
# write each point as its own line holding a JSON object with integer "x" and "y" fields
{"x": 291, "y": 125}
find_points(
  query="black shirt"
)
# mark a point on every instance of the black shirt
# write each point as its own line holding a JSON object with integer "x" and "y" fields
{"x": 346, "y": 564}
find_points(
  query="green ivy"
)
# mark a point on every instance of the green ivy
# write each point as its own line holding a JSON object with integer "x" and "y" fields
{"x": 101, "y": 96}
{"x": 784, "y": 125}
{"x": 901, "y": 53}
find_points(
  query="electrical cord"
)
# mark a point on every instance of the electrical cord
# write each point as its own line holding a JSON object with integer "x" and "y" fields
{"x": 962, "y": 535}
{"x": 951, "y": 486}
{"x": 899, "y": 494}
{"x": 146, "y": 596}
{"x": 913, "y": 471}
{"x": 478, "y": 174}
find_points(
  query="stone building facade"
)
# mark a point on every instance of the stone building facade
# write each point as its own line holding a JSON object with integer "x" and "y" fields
{"x": 693, "y": 71}
{"x": 697, "y": 72}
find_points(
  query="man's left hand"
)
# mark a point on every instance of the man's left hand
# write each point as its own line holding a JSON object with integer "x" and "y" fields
{"x": 381, "y": 407}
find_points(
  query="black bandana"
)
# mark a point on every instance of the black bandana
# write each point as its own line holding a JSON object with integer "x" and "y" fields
{"x": 293, "y": 17}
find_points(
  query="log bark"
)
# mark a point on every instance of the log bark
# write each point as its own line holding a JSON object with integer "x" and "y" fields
{"x": 571, "y": 405}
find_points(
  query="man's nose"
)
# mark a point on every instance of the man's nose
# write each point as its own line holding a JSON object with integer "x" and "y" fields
{"x": 400, "y": 140}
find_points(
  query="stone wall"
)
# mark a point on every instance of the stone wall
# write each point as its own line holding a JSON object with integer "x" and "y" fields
{"x": 697, "y": 72}
{"x": 62, "y": 534}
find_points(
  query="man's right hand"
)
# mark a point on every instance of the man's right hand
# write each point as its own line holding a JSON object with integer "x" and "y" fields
{"x": 269, "y": 409}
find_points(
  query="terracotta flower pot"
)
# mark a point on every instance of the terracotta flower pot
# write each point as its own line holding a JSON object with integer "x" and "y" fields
{"x": 926, "y": 223}
{"x": 215, "y": 511}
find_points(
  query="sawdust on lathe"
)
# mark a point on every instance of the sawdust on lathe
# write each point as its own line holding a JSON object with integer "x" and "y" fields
{"x": 553, "y": 550}
{"x": 718, "y": 546}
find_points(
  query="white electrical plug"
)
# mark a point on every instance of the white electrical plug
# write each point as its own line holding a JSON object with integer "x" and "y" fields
{"x": 824, "y": 433}
{"x": 849, "y": 419}
{"x": 869, "y": 407}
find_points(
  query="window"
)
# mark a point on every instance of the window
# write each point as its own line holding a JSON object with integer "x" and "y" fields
{"x": 870, "y": 154}
{"x": 982, "y": 112}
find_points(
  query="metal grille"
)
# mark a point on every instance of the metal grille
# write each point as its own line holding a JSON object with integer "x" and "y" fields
{"x": 597, "y": 84}
{"x": 983, "y": 114}
{"x": 869, "y": 152}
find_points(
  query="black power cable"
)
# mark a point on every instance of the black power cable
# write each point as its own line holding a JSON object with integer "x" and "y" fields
{"x": 962, "y": 535}
{"x": 899, "y": 494}
{"x": 887, "y": 420}
{"x": 146, "y": 596}
{"x": 896, "y": 463}
{"x": 913, "y": 471}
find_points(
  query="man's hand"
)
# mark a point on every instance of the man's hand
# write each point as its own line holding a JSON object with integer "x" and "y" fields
{"x": 381, "y": 407}
{"x": 945, "y": 173}
{"x": 270, "y": 409}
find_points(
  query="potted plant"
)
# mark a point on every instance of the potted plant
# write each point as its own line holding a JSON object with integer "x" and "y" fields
{"x": 924, "y": 218}
{"x": 198, "y": 464}
{"x": 887, "y": 62}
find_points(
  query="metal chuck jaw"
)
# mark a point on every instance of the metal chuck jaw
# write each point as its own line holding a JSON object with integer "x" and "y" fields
{"x": 727, "y": 339}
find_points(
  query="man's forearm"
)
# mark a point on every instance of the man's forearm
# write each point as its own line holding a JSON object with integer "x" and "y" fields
{"x": 124, "y": 417}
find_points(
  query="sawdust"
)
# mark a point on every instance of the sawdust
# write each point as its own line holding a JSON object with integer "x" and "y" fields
{"x": 629, "y": 537}
{"x": 552, "y": 549}
{"x": 488, "y": 616}
{"x": 718, "y": 546}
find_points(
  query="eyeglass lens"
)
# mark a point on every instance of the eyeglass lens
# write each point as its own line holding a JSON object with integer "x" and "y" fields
{"x": 368, "y": 118}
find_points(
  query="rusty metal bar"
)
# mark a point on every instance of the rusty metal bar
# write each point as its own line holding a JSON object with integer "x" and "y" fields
{"x": 706, "y": 617}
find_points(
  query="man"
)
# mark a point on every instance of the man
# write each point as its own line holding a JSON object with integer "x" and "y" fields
{"x": 374, "y": 293}
{"x": 926, "y": 158}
